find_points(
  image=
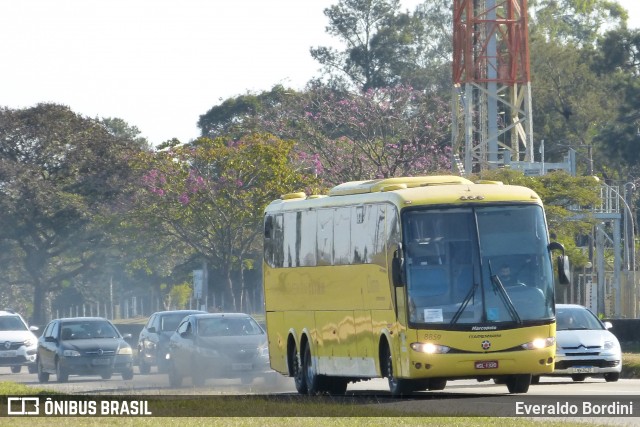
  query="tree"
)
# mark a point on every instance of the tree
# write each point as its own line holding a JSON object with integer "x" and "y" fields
{"x": 210, "y": 194}
{"x": 371, "y": 38}
{"x": 575, "y": 22}
{"x": 379, "y": 133}
{"x": 619, "y": 56}
{"x": 61, "y": 177}
{"x": 570, "y": 101}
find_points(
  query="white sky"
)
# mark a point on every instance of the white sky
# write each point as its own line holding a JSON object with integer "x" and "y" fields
{"x": 160, "y": 64}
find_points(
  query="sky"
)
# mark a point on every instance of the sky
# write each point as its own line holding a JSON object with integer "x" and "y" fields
{"x": 160, "y": 64}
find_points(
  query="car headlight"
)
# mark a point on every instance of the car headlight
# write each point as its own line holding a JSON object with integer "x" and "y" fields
{"x": 70, "y": 353}
{"x": 264, "y": 351}
{"x": 539, "y": 343}
{"x": 609, "y": 345}
{"x": 429, "y": 348}
{"x": 125, "y": 350}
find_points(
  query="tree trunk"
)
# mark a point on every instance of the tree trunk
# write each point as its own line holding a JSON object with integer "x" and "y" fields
{"x": 40, "y": 307}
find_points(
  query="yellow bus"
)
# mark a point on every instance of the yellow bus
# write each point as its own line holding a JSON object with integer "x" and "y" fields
{"x": 420, "y": 280}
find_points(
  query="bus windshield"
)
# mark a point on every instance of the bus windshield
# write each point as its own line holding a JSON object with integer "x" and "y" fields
{"x": 481, "y": 265}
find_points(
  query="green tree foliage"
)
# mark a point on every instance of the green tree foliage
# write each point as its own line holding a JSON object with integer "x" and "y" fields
{"x": 210, "y": 194}
{"x": 619, "y": 58}
{"x": 248, "y": 113}
{"x": 571, "y": 102}
{"x": 575, "y": 22}
{"x": 372, "y": 39}
{"x": 61, "y": 176}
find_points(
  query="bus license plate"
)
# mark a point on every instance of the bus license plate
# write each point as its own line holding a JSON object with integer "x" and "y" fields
{"x": 487, "y": 364}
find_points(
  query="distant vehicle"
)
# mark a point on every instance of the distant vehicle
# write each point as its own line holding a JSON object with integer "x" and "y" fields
{"x": 219, "y": 345}
{"x": 17, "y": 342}
{"x": 153, "y": 342}
{"x": 83, "y": 346}
{"x": 585, "y": 347}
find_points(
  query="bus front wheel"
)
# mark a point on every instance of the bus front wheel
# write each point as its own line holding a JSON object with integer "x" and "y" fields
{"x": 518, "y": 383}
{"x": 397, "y": 386}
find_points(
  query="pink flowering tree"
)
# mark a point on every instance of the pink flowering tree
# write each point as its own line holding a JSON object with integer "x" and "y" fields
{"x": 210, "y": 195}
{"x": 380, "y": 133}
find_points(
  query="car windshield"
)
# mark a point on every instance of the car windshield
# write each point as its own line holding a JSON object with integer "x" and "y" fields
{"x": 79, "y": 330}
{"x": 228, "y": 326}
{"x": 576, "y": 318}
{"x": 170, "y": 321}
{"x": 12, "y": 323}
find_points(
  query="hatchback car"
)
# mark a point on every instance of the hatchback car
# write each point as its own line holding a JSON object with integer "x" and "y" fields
{"x": 219, "y": 345}
{"x": 584, "y": 346}
{"x": 83, "y": 346}
{"x": 153, "y": 341}
{"x": 17, "y": 342}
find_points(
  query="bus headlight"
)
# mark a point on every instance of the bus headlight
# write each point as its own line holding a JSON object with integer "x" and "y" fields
{"x": 539, "y": 343}
{"x": 429, "y": 348}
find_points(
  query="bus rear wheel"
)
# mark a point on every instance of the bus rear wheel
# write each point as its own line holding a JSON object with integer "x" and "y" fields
{"x": 298, "y": 373}
{"x": 312, "y": 378}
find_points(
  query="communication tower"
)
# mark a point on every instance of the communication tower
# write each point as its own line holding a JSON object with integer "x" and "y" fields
{"x": 492, "y": 122}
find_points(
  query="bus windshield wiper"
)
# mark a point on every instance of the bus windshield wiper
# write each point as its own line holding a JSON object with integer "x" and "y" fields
{"x": 464, "y": 304}
{"x": 497, "y": 285}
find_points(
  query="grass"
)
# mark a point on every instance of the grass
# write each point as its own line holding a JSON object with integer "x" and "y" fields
{"x": 311, "y": 412}
{"x": 630, "y": 365}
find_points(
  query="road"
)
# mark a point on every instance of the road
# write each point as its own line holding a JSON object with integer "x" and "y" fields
{"x": 462, "y": 397}
{"x": 156, "y": 383}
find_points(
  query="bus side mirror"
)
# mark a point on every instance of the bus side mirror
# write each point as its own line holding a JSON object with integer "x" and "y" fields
{"x": 396, "y": 267}
{"x": 564, "y": 269}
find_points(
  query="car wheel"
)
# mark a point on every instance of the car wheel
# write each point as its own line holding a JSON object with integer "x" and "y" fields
{"x": 518, "y": 383}
{"x": 612, "y": 377}
{"x": 436, "y": 384}
{"x": 336, "y": 386}
{"x": 61, "y": 373}
{"x": 578, "y": 377}
{"x": 144, "y": 368}
{"x": 16, "y": 369}
{"x": 272, "y": 379}
{"x": 106, "y": 375}
{"x": 127, "y": 375}
{"x": 33, "y": 368}
{"x": 175, "y": 379}
{"x": 43, "y": 377}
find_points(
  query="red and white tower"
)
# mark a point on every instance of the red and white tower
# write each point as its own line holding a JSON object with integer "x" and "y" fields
{"x": 492, "y": 122}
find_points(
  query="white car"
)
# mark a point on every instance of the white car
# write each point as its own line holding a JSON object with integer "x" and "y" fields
{"x": 18, "y": 344}
{"x": 584, "y": 346}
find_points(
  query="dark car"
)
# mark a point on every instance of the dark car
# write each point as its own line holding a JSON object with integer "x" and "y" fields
{"x": 153, "y": 341}
{"x": 219, "y": 345}
{"x": 83, "y": 346}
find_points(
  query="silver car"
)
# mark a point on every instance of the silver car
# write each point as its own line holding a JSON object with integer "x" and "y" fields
{"x": 584, "y": 346}
{"x": 219, "y": 345}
